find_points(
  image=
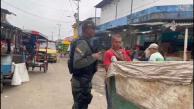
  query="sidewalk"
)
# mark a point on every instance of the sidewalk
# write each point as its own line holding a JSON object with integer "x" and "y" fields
{"x": 51, "y": 90}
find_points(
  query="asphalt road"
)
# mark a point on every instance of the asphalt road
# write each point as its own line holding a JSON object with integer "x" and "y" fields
{"x": 51, "y": 90}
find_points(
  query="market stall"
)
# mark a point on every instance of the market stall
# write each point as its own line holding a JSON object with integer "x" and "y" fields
{"x": 175, "y": 39}
{"x": 11, "y": 60}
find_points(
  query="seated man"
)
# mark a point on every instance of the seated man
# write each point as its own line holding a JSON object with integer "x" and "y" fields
{"x": 114, "y": 54}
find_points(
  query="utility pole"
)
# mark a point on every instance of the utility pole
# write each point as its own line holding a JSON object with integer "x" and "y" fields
{"x": 116, "y": 9}
{"x": 52, "y": 36}
{"x": 76, "y": 15}
{"x": 78, "y": 10}
{"x": 59, "y": 34}
{"x": 131, "y": 7}
{"x": 130, "y": 18}
{"x": 95, "y": 15}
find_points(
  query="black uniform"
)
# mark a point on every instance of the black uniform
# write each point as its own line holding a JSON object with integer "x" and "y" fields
{"x": 81, "y": 80}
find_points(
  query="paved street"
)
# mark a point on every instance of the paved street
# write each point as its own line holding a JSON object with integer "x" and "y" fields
{"x": 51, "y": 90}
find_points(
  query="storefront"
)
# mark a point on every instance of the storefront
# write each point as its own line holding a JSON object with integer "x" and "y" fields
{"x": 164, "y": 25}
{"x": 171, "y": 42}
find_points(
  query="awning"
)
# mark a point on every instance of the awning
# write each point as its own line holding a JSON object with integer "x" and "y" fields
{"x": 102, "y": 3}
{"x": 35, "y": 33}
{"x": 6, "y": 11}
{"x": 148, "y": 24}
{"x": 179, "y": 24}
{"x": 8, "y": 26}
{"x": 163, "y": 24}
{"x": 142, "y": 32}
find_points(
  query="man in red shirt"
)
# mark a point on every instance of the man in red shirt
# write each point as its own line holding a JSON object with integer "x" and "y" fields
{"x": 128, "y": 52}
{"x": 115, "y": 53}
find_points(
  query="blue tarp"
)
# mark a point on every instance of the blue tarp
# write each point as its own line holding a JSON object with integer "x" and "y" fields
{"x": 163, "y": 9}
{"x": 175, "y": 12}
{"x": 115, "y": 23}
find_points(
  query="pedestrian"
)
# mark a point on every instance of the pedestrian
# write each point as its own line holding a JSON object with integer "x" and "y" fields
{"x": 154, "y": 53}
{"x": 128, "y": 51}
{"x": 115, "y": 53}
{"x": 135, "y": 54}
{"x": 142, "y": 56}
{"x": 83, "y": 65}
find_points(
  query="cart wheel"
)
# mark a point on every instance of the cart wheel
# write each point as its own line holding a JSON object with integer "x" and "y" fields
{"x": 1, "y": 83}
{"x": 1, "y": 87}
{"x": 27, "y": 67}
{"x": 45, "y": 67}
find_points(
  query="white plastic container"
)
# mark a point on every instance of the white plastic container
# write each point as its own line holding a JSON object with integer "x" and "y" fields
{"x": 113, "y": 59}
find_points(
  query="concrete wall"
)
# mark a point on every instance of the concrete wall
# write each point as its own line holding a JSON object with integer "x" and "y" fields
{"x": 108, "y": 12}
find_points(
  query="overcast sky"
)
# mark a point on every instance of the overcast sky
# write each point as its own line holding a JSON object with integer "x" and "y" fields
{"x": 44, "y": 15}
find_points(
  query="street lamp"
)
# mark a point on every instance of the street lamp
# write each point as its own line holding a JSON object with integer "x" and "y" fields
{"x": 59, "y": 27}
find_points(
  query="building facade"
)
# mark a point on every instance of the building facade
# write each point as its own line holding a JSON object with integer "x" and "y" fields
{"x": 148, "y": 21}
{"x": 115, "y": 9}
{"x": 4, "y": 14}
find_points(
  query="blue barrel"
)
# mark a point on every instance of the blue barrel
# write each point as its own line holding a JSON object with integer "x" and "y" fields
{"x": 6, "y": 64}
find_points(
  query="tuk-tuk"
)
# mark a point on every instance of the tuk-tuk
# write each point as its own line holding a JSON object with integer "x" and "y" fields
{"x": 32, "y": 41}
{"x": 51, "y": 51}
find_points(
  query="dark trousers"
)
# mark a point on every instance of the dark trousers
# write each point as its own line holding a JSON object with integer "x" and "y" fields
{"x": 81, "y": 90}
{"x": 108, "y": 96}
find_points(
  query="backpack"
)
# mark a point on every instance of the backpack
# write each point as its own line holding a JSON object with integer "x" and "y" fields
{"x": 73, "y": 45}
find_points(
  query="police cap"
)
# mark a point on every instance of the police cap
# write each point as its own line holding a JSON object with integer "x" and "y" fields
{"x": 88, "y": 24}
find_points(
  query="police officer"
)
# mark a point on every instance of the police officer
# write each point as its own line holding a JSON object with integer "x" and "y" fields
{"x": 84, "y": 59}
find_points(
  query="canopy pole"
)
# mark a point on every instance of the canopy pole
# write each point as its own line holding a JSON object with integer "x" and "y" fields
{"x": 185, "y": 45}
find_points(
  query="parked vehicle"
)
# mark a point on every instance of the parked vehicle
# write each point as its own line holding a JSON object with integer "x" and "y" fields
{"x": 51, "y": 51}
{"x": 7, "y": 68}
{"x": 7, "y": 53}
{"x": 33, "y": 41}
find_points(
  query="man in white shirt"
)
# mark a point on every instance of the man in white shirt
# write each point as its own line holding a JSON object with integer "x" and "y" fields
{"x": 154, "y": 53}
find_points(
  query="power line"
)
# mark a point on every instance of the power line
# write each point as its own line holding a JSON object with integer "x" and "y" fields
{"x": 34, "y": 15}
{"x": 71, "y": 6}
{"x": 75, "y": 3}
{"x": 43, "y": 5}
{"x": 62, "y": 12}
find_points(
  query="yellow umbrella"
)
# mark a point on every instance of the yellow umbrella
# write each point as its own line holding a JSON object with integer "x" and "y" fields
{"x": 67, "y": 42}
